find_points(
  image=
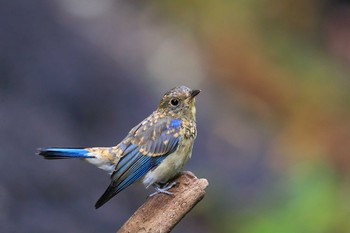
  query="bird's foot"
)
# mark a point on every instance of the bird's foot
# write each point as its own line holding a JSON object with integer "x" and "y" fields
{"x": 163, "y": 189}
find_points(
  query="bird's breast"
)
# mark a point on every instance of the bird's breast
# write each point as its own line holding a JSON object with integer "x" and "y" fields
{"x": 171, "y": 165}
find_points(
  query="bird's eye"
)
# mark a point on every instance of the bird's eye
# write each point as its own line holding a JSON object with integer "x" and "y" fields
{"x": 174, "y": 102}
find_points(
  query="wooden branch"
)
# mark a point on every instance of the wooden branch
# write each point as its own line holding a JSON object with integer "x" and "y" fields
{"x": 162, "y": 212}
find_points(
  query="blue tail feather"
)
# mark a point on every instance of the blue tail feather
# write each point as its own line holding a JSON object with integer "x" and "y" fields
{"x": 64, "y": 153}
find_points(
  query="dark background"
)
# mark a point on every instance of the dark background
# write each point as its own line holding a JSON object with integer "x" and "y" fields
{"x": 273, "y": 115}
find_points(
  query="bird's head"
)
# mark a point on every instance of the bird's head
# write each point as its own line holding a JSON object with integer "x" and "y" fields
{"x": 179, "y": 102}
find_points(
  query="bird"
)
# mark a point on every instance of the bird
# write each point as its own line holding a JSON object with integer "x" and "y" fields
{"x": 153, "y": 152}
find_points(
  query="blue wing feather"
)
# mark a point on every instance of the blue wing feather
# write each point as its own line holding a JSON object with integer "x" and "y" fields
{"x": 137, "y": 165}
{"x": 137, "y": 170}
{"x": 139, "y": 158}
{"x": 176, "y": 122}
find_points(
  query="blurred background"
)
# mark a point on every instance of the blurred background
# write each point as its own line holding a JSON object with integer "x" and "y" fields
{"x": 273, "y": 116}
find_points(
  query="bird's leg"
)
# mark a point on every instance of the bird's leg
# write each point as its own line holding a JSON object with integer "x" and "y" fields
{"x": 163, "y": 189}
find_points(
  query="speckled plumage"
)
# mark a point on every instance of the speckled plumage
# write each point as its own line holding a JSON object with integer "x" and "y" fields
{"x": 154, "y": 151}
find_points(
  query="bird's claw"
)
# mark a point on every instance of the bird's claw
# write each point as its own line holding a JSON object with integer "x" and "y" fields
{"x": 164, "y": 189}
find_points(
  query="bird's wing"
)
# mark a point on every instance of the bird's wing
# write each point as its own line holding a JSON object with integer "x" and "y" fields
{"x": 143, "y": 149}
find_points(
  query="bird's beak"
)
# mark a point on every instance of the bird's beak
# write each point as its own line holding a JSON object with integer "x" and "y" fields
{"x": 194, "y": 93}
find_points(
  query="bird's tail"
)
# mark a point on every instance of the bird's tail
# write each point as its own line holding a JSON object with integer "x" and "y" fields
{"x": 64, "y": 153}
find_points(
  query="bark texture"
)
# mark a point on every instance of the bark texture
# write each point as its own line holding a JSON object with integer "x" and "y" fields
{"x": 162, "y": 212}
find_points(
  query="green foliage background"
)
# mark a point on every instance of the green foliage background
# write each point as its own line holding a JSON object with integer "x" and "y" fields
{"x": 283, "y": 59}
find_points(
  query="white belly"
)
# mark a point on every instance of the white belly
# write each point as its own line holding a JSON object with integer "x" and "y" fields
{"x": 170, "y": 166}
